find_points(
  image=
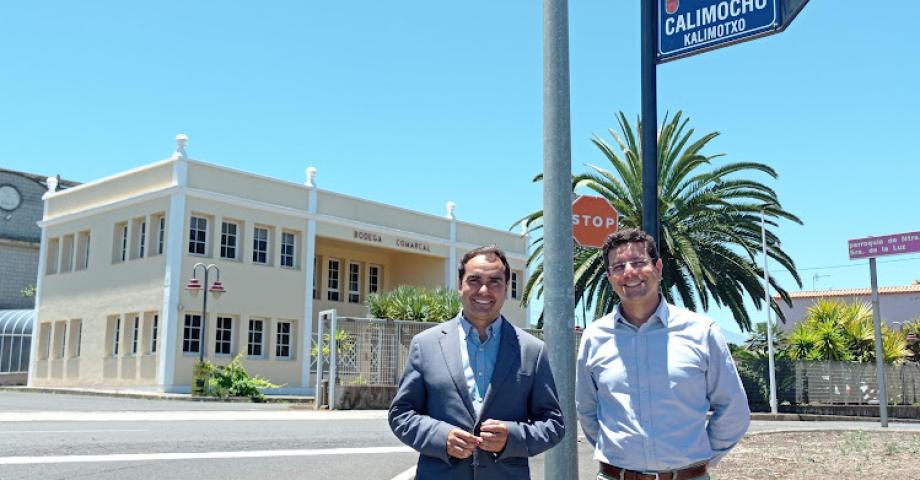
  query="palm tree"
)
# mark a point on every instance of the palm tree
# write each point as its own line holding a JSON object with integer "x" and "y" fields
{"x": 834, "y": 330}
{"x": 709, "y": 223}
{"x": 758, "y": 345}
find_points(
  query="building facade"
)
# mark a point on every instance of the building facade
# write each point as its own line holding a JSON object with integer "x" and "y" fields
{"x": 113, "y": 310}
{"x": 20, "y": 211}
{"x": 897, "y": 304}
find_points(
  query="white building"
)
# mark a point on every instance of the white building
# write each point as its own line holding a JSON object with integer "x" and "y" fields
{"x": 116, "y": 253}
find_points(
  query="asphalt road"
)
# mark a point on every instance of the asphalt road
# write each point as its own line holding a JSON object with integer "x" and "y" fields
{"x": 48, "y": 436}
{"x": 58, "y": 436}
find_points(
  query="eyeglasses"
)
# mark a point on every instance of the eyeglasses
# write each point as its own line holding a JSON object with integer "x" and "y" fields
{"x": 620, "y": 268}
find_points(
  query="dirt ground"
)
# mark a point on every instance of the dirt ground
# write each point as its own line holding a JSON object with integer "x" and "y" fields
{"x": 838, "y": 455}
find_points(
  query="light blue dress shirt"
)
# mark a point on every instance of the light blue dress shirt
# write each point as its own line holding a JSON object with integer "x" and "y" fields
{"x": 642, "y": 394}
{"x": 479, "y": 357}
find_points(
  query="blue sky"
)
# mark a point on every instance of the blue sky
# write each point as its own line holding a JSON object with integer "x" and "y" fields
{"x": 415, "y": 103}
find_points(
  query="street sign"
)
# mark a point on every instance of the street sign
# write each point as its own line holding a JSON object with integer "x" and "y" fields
{"x": 688, "y": 27}
{"x": 871, "y": 247}
{"x": 593, "y": 218}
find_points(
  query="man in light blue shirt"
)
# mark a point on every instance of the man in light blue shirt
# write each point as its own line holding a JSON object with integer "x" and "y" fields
{"x": 648, "y": 374}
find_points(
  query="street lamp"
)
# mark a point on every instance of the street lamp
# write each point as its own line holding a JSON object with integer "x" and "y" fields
{"x": 766, "y": 289}
{"x": 216, "y": 288}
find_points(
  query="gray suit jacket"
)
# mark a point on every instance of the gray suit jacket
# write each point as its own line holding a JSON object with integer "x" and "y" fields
{"x": 433, "y": 399}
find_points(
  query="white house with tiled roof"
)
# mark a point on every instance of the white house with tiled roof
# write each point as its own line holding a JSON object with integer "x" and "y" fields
{"x": 897, "y": 304}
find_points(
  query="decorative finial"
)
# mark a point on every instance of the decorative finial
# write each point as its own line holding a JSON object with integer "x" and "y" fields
{"x": 311, "y": 177}
{"x": 450, "y": 210}
{"x": 52, "y": 183}
{"x": 181, "y": 142}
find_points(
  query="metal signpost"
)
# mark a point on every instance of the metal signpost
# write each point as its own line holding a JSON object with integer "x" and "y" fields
{"x": 673, "y": 29}
{"x": 872, "y": 247}
{"x": 559, "y": 296}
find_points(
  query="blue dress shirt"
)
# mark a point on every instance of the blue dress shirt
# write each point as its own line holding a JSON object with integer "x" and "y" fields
{"x": 642, "y": 394}
{"x": 479, "y": 357}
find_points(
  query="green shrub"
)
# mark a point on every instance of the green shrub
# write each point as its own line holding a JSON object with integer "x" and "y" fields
{"x": 234, "y": 381}
{"x": 344, "y": 343}
{"x": 418, "y": 304}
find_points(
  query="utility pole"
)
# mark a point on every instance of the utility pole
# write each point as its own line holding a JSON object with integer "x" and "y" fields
{"x": 559, "y": 293}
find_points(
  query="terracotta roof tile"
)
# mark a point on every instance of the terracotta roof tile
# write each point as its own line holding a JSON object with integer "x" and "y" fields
{"x": 855, "y": 292}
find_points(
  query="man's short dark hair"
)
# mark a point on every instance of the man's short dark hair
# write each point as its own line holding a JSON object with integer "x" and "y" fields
{"x": 484, "y": 250}
{"x": 629, "y": 235}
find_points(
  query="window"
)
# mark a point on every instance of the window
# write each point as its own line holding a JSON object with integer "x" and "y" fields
{"x": 154, "y": 331}
{"x": 191, "y": 338}
{"x": 76, "y": 337}
{"x": 116, "y": 336}
{"x": 315, "y": 276}
{"x": 288, "y": 240}
{"x": 44, "y": 340}
{"x": 260, "y": 245}
{"x": 332, "y": 282}
{"x": 135, "y": 334}
{"x": 254, "y": 342}
{"x": 198, "y": 236}
{"x": 224, "y": 336}
{"x": 67, "y": 252}
{"x": 142, "y": 239}
{"x": 161, "y": 234}
{"x": 138, "y": 237}
{"x": 283, "y": 340}
{"x": 373, "y": 278}
{"x": 354, "y": 282}
{"x": 120, "y": 253}
{"x": 514, "y": 285}
{"x": 229, "y": 234}
{"x": 61, "y": 334}
{"x": 82, "y": 250}
{"x": 51, "y": 256}
{"x": 112, "y": 335}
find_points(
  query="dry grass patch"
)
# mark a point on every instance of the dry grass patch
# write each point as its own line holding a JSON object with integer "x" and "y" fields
{"x": 840, "y": 455}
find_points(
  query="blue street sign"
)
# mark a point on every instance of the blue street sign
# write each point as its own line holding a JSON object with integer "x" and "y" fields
{"x": 687, "y": 27}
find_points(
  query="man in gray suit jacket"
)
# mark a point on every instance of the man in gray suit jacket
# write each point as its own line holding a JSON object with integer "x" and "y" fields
{"x": 477, "y": 397}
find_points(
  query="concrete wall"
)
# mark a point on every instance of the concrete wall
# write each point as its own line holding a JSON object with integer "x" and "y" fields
{"x": 19, "y": 240}
{"x": 92, "y": 296}
{"x": 19, "y": 264}
{"x": 106, "y": 191}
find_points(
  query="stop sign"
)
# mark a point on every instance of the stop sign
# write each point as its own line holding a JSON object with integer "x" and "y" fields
{"x": 593, "y": 218}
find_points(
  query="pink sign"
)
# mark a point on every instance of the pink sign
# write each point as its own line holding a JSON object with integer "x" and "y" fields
{"x": 897, "y": 244}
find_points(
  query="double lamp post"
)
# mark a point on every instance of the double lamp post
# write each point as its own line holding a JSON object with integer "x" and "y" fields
{"x": 216, "y": 288}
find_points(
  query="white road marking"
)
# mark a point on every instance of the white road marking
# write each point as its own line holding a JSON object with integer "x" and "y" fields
{"x": 183, "y": 416}
{"x": 74, "y": 431}
{"x": 144, "y": 457}
{"x": 407, "y": 475}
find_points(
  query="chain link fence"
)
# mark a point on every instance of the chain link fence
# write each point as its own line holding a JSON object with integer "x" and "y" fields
{"x": 373, "y": 352}
{"x": 829, "y": 383}
{"x": 854, "y": 383}
{"x": 365, "y": 351}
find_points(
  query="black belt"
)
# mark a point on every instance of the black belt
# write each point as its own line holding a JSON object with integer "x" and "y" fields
{"x": 681, "y": 474}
